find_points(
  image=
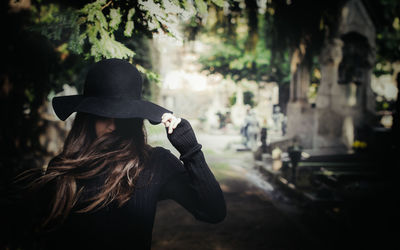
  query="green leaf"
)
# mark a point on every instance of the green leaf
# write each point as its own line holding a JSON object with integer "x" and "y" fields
{"x": 186, "y": 5}
{"x": 110, "y": 48}
{"x": 130, "y": 14}
{"x": 101, "y": 18}
{"x": 201, "y": 6}
{"x": 149, "y": 74}
{"x": 129, "y": 29}
{"x": 175, "y": 2}
{"x": 95, "y": 5}
{"x": 76, "y": 41}
{"x": 219, "y": 3}
{"x": 115, "y": 15}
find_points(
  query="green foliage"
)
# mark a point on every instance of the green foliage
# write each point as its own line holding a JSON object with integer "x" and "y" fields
{"x": 302, "y": 23}
{"x": 248, "y": 98}
{"x": 243, "y": 55}
{"x": 383, "y": 105}
{"x": 79, "y": 28}
{"x": 387, "y": 37}
{"x": 93, "y": 31}
{"x": 311, "y": 22}
{"x": 219, "y": 3}
{"x": 52, "y": 22}
{"x": 202, "y": 6}
{"x": 115, "y": 16}
{"x": 232, "y": 100}
{"x": 260, "y": 50}
{"x": 129, "y": 24}
{"x": 99, "y": 30}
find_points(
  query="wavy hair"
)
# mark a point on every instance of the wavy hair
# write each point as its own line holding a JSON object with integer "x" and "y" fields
{"x": 114, "y": 160}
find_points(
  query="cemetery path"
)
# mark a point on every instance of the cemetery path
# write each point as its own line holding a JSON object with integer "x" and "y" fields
{"x": 252, "y": 222}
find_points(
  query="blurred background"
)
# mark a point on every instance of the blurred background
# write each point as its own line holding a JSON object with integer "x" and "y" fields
{"x": 296, "y": 104}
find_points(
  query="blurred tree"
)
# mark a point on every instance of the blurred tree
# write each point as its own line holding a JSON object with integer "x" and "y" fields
{"x": 387, "y": 14}
{"x": 272, "y": 40}
{"x": 301, "y": 27}
{"x": 248, "y": 98}
{"x": 388, "y": 55}
{"x": 267, "y": 40}
{"x": 267, "y": 36}
{"x": 240, "y": 45}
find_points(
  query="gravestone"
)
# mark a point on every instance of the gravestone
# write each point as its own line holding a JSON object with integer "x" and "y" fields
{"x": 345, "y": 99}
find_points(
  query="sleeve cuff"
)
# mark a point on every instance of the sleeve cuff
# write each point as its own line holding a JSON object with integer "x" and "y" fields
{"x": 191, "y": 152}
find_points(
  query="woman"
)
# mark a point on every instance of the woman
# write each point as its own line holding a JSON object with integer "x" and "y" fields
{"x": 101, "y": 192}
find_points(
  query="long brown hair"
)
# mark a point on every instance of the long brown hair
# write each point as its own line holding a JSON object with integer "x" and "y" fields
{"x": 116, "y": 159}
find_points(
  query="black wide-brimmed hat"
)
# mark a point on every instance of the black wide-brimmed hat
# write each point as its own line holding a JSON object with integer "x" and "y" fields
{"x": 113, "y": 89}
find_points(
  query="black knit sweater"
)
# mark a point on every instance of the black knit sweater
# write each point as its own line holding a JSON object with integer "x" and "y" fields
{"x": 188, "y": 181}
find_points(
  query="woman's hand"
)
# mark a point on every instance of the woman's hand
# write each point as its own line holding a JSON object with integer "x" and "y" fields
{"x": 170, "y": 121}
{"x": 183, "y": 137}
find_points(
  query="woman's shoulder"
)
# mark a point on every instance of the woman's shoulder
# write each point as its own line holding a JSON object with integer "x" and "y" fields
{"x": 161, "y": 153}
{"x": 157, "y": 150}
{"x": 163, "y": 158}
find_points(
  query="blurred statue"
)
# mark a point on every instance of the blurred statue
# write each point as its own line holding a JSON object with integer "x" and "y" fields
{"x": 264, "y": 137}
{"x": 278, "y": 119}
{"x": 284, "y": 125}
{"x": 295, "y": 152}
{"x": 250, "y": 129}
{"x": 222, "y": 120}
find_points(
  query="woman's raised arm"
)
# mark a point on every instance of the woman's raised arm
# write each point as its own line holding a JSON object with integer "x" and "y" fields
{"x": 193, "y": 185}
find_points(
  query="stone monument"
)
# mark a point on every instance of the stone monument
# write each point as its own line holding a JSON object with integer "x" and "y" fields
{"x": 345, "y": 98}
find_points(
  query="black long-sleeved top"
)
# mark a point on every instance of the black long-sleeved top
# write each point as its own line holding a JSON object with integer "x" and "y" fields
{"x": 189, "y": 182}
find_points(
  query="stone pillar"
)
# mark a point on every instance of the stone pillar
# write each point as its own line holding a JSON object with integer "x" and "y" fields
{"x": 302, "y": 82}
{"x": 299, "y": 112}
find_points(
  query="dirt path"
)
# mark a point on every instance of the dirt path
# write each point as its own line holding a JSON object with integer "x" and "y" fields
{"x": 252, "y": 221}
{"x": 263, "y": 217}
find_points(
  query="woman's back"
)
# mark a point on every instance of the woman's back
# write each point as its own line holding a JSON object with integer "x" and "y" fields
{"x": 130, "y": 226}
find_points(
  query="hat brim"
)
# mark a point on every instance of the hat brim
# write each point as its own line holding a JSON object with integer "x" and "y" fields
{"x": 64, "y": 106}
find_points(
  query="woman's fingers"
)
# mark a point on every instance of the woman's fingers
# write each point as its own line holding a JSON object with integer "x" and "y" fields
{"x": 173, "y": 125}
{"x": 178, "y": 120}
{"x": 170, "y": 121}
{"x": 165, "y": 117}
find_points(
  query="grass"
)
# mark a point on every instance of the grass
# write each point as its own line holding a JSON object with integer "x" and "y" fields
{"x": 223, "y": 171}
{"x": 208, "y": 152}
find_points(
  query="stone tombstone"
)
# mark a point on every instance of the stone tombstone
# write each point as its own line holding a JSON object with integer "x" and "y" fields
{"x": 219, "y": 102}
{"x": 238, "y": 110}
{"x": 300, "y": 114}
{"x": 267, "y": 98}
{"x": 345, "y": 96}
